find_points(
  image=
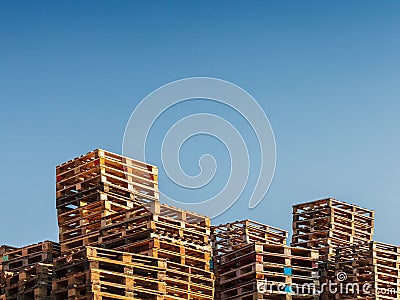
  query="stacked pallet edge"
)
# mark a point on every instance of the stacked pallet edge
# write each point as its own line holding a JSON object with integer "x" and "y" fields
{"x": 117, "y": 241}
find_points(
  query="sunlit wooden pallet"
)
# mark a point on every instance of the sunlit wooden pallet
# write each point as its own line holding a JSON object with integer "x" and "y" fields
{"x": 330, "y": 207}
{"x": 99, "y": 156}
{"x": 20, "y": 258}
{"x": 232, "y": 236}
{"x": 328, "y": 214}
{"x": 101, "y": 166}
{"x": 81, "y": 198}
{"x": 93, "y": 197}
{"x": 162, "y": 248}
{"x": 109, "y": 274}
{"x": 196, "y": 276}
{"x": 121, "y": 183}
{"x": 325, "y": 244}
{"x": 332, "y": 229}
{"x": 160, "y": 219}
{"x": 87, "y": 219}
{"x": 186, "y": 286}
{"x": 328, "y": 223}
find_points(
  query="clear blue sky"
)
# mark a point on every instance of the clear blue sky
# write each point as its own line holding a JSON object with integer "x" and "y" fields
{"x": 326, "y": 73}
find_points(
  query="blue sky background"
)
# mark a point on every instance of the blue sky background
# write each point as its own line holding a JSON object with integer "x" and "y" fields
{"x": 326, "y": 74}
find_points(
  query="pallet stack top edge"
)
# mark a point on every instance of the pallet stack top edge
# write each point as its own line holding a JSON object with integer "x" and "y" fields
{"x": 12, "y": 249}
{"x": 251, "y": 222}
{"x": 333, "y": 202}
{"x": 101, "y": 153}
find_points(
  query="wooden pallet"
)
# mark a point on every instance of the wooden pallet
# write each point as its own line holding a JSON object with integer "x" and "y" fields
{"x": 232, "y": 236}
{"x": 81, "y": 217}
{"x": 108, "y": 274}
{"x": 326, "y": 214}
{"x": 186, "y": 282}
{"x": 79, "y": 242}
{"x": 91, "y": 197}
{"x": 160, "y": 247}
{"x": 159, "y": 219}
{"x": 19, "y": 258}
{"x": 101, "y": 166}
{"x": 88, "y": 218}
{"x": 373, "y": 263}
{"x": 31, "y": 283}
{"x": 328, "y": 223}
{"x": 105, "y": 187}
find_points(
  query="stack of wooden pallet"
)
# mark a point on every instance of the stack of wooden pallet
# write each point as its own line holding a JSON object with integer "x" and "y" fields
{"x": 33, "y": 282}
{"x": 326, "y": 224}
{"x": 252, "y": 262}
{"x": 368, "y": 271}
{"x": 95, "y": 273}
{"x": 162, "y": 231}
{"x": 109, "y": 201}
{"x": 95, "y": 185}
{"x": 27, "y": 271}
{"x": 20, "y": 258}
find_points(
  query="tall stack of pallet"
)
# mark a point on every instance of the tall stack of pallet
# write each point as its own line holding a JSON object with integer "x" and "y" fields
{"x": 95, "y": 185}
{"x": 253, "y": 262}
{"x": 110, "y": 201}
{"x": 27, "y": 271}
{"x": 368, "y": 271}
{"x": 326, "y": 224}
